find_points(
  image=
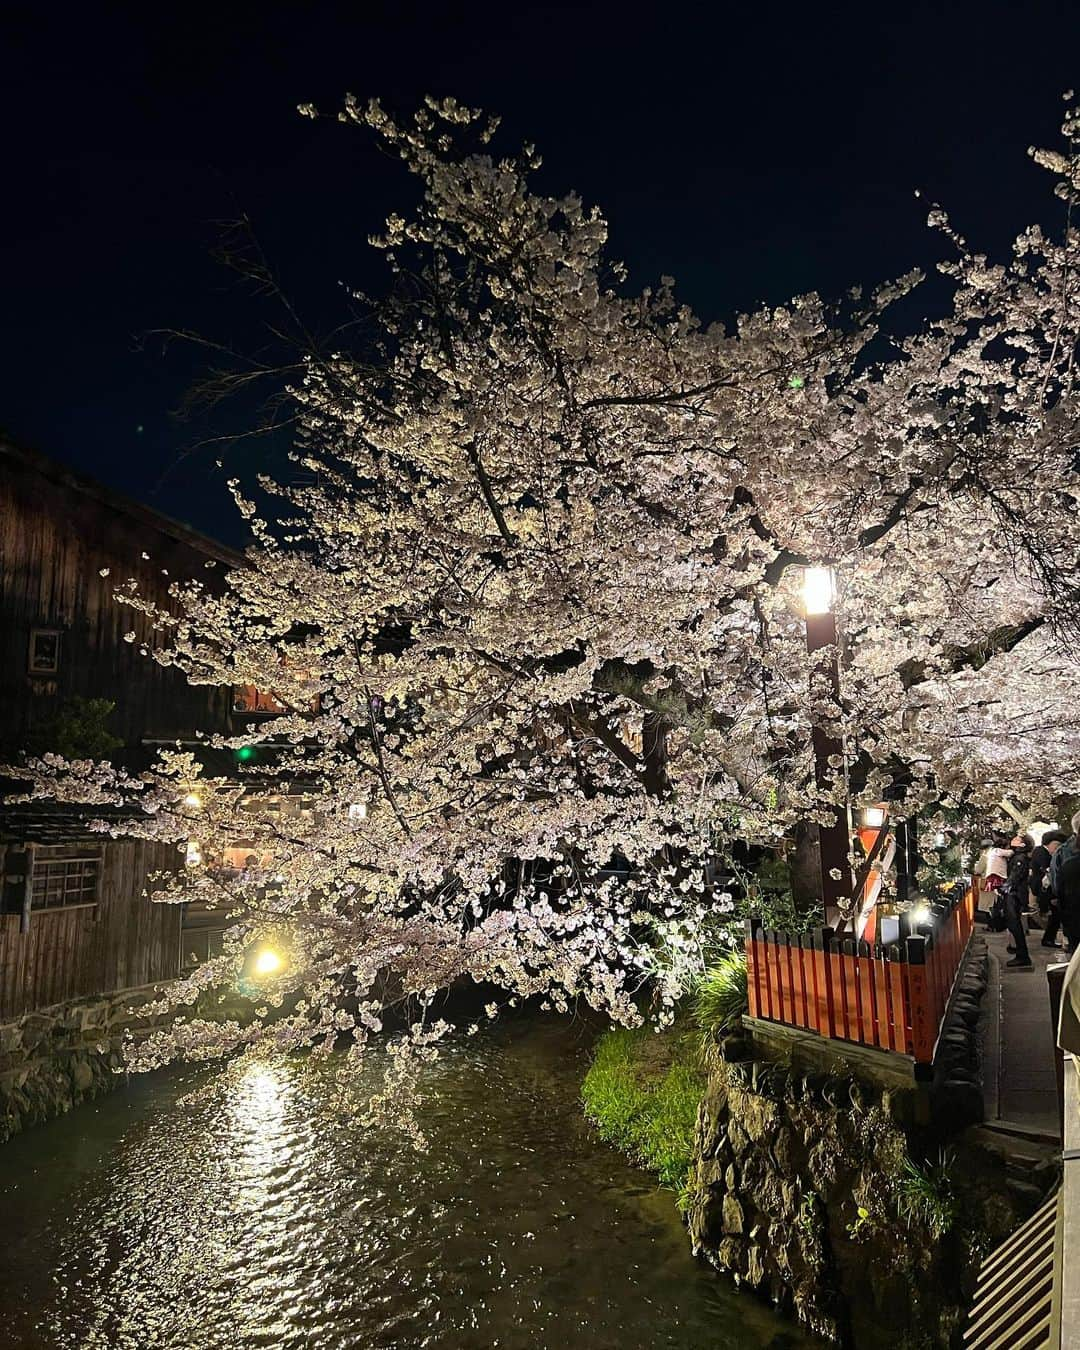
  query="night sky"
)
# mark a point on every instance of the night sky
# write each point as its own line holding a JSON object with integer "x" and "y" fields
{"x": 752, "y": 151}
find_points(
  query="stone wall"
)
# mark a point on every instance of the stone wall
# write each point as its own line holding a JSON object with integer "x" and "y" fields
{"x": 797, "y": 1191}
{"x": 55, "y": 1058}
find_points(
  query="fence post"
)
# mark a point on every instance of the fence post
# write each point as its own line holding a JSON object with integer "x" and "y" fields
{"x": 822, "y": 1017}
{"x": 923, "y": 1028}
{"x": 868, "y": 1028}
{"x": 778, "y": 972}
{"x": 834, "y": 967}
{"x": 753, "y": 1000}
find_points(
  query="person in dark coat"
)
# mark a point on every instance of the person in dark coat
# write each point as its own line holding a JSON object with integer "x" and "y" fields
{"x": 1068, "y": 897}
{"x": 1039, "y": 884}
{"x": 1015, "y": 894}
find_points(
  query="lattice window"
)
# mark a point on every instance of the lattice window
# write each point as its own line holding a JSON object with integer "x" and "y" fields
{"x": 59, "y": 883}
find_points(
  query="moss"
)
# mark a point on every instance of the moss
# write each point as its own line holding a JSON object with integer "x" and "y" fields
{"x": 643, "y": 1091}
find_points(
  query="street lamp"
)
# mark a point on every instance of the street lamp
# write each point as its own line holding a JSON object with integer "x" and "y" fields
{"x": 819, "y": 599}
{"x": 267, "y": 962}
{"x": 818, "y": 590}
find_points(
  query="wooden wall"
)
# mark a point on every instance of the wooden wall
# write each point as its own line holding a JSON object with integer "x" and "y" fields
{"x": 57, "y": 533}
{"x": 124, "y": 941}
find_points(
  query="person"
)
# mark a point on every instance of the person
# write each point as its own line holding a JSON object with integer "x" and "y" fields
{"x": 1070, "y": 846}
{"x": 1042, "y": 856}
{"x": 1015, "y": 893}
{"x": 1065, "y": 880}
{"x": 997, "y": 860}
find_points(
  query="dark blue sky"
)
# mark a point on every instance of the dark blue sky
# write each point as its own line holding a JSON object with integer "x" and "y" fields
{"x": 751, "y": 151}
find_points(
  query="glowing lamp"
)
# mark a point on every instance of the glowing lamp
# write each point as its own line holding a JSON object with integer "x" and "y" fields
{"x": 268, "y": 962}
{"x": 245, "y": 754}
{"x": 193, "y": 801}
{"x": 920, "y": 914}
{"x": 873, "y": 817}
{"x": 193, "y": 853}
{"x": 357, "y": 810}
{"x": 818, "y": 590}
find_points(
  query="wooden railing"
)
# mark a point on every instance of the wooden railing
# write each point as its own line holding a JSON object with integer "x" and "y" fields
{"x": 892, "y": 997}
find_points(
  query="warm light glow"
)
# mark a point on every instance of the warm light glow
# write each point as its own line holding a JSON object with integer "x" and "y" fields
{"x": 268, "y": 962}
{"x": 920, "y": 914}
{"x": 193, "y": 800}
{"x": 873, "y": 817}
{"x": 818, "y": 589}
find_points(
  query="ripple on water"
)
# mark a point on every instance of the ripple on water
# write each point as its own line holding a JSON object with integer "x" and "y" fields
{"x": 246, "y": 1207}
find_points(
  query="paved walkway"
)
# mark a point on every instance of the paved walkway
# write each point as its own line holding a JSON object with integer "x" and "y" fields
{"x": 1018, "y": 1048}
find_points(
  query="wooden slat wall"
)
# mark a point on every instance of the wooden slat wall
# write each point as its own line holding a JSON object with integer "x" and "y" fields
{"x": 125, "y": 940}
{"x": 55, "y": 539}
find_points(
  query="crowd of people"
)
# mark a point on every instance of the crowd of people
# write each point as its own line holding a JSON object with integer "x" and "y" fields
{"x": 1037, "y": 884}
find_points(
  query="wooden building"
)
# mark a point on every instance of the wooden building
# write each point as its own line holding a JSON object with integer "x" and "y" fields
{"x": 75, "y": 917}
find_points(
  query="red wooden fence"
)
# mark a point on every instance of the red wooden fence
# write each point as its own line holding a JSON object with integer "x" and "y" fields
{"x": 891, "y": 997}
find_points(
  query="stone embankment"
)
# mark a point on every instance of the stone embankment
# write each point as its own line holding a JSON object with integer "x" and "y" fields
{"x": 861, "y": 1204}
{"x": 55, "y": 1058}
{"x": 58, "y": 1057}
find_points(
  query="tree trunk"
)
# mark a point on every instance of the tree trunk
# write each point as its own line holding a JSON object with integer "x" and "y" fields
{"x": 805, "y": 868}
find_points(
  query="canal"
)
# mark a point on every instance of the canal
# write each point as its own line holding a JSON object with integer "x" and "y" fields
{"x": 246, "y": 1207}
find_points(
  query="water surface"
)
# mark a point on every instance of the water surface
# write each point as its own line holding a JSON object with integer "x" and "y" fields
{"x": 247, "y": 1207}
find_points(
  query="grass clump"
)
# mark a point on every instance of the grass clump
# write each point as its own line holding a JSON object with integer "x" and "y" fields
{"x": 720, "y": 996}
{"x": 926, "y": 1197}
{"x": 643, "y": 1091}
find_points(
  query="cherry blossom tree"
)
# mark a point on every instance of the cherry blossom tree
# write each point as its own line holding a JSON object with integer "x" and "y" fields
{"x": 536, "y": 622}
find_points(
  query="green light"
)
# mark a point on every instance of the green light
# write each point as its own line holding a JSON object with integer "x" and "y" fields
{"x": 796, "y": 382}
{"x": 245, "y": 753}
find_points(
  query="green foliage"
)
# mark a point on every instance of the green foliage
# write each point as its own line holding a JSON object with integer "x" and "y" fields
{"x": 769, "y": 897}
{"x": 861, "y": 1226}
{"x": 642, "y": 1091}
{"x": 720, "y": 997}
{"x": 76, "y": 730}
{"x": 926, "y": 1198}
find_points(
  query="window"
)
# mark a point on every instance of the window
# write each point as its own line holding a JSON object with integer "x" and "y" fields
{"x": 248, "y": 699}
{"x": 44, "y": 655}
{"x": 61, "y": 883}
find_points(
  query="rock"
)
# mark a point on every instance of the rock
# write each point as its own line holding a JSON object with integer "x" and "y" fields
{"x": 716, "y": 1101}
{"x": 783, "y": 1151}
{"x": 821, "y": 1165}
{"x": 733, "y": 1217}
{"x": 729, "y": 1255}
{"x": 82, "y": 1076}
{"x": 759, "y": 1117}
{"x": 737, "y": 1138}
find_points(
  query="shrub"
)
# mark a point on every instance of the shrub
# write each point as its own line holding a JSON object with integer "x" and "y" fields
{"x": 643, "y": 1091}
{"x": 720, "y": 997}
{"x": 76, "y": 730}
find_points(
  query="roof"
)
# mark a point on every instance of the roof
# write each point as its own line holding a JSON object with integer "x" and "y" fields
{"x": 45, "y": 822}
{"x": 69, "y": 478}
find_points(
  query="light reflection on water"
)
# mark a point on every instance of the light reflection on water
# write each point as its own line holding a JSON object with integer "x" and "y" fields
{"x": 248, "y": 1208}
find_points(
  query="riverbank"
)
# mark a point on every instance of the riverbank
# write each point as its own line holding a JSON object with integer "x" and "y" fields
{"x": 831, "y": 1195}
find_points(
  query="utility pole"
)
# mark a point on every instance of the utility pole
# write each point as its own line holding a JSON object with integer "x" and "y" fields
{"x": 823, "y": 650}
